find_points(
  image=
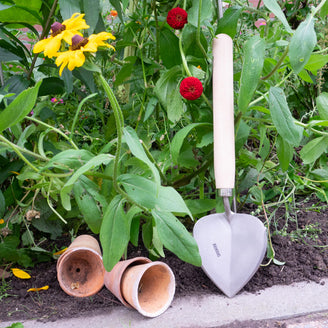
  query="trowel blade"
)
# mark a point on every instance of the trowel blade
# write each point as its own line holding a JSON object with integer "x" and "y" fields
{"x": 231, "y": 251}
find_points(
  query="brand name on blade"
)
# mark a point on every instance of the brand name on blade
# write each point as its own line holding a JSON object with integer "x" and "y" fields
{"x": 217, "y": 252}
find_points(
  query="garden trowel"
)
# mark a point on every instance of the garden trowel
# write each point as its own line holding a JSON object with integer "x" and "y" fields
{"x": 232, "y": 246}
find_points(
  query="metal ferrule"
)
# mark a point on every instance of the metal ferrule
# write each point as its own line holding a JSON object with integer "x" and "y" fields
{"x": 226, "y": 192}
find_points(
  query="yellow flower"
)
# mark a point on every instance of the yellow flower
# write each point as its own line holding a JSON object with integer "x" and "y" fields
{"x": 75, "y": 56}
{"x": 2, "y": 221}
{"x": 61, "y": 31}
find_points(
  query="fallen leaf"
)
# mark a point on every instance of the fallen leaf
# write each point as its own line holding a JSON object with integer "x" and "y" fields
{"x": 60, "y": 252}
{"x": 20, "y": 273}
{"x": 38, "y": 289}
{"x": 4, "y": 274}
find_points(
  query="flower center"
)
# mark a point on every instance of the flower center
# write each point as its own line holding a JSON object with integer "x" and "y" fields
{"x": 192, "y": 89}
{"x": 57, "y": 28}
{"x": 78, "y": 42}
{"x": 178, "y": 17}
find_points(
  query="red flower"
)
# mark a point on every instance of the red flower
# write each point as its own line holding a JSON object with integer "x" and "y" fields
{"x": 191, "y": 88}
{"x": 177, "y": 18}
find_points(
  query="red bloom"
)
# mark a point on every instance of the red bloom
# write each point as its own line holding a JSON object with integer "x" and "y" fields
{"x": 191, "y": 88}
{"x": 177, "y": 18}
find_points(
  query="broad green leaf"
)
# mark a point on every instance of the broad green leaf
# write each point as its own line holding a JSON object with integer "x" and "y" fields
{"x": 314, "y": 149}
{"x": 206, "y": 12}
{"x": 169, "y": 48}
{"x": 322, "y": 105}
{"x": 198, "y": 206}
{"x": 179, "y": 138}
{"x": 189, "y": 42}
{"x": 22, "y": 11}
{"x": 275, "y": 8}
{"x": 51, "y": 86}
{"x": 134, "y": 143}
{"x": 88, "y": 207}
{"x": 94, "y": 162}
{"x": 285, "y": 152}
{"x": 92, "y": 11}
{"x": 282, "y": 118}
{"x": 175, "y": 106}
{"x": 228, "y": 23}
{"x": 316, "y": 62}
{"x": 176, "y": 238}
{"x": 19, "y": 107}
{"x": 151, "y": 104}
{"x": 302, "y": 44}
{"x": 114, "y": 232}
{"x": 166, "y": 83}
{"x": 70, "y": 159}
{"x": 69, "y": 7}
{"x": 251, "y": 71}
{"x": 324, "y": 10}
{"x": 6, "y": 55}
{"x": 143, "y": 192}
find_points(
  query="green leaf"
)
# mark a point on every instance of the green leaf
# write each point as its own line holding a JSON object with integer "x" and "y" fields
{"x": 228, "y": 23}
{"x": 70, "y": 159}
{"x": 134, "y": 143}
{"x": 175, "y": 106}
{"x": 324, "y": 10}
{"x": 6, "y": 55}
{"x": 114, "y": 232}
{"x": 199, "y": 206}
{"x": 169, "y": 48}
{"x": 69, "y": 7}
{"x": 302, "y": 44}
{"x": 143, "y": 192}
{"x": 176, "y": 238}
{"x": 179, "y": 138}
{"x": 19, "y": 107}
{"x": 189, "y": 42}
{"x": 206, "y": 12}
{"x": 285, "y": 152}
{"x": 322, "y": 105}
{"x": 251, "y": 71}
{"x": 273, "y": 6}
{"x": 92, "y": 11}
{"x": 88, "y": 207}
{"x": 316, "y": 62}
{"x": 94, "y": 162}
{"x": 22, "y": 11}
{"x": 166, "y": 83}
{"x": 51, "y": 86}
{"x": 282, "y": 118}
{"x": 314, "y": 149}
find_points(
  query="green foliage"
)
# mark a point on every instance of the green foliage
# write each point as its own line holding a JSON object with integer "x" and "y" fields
{"x": 112, "y": 148}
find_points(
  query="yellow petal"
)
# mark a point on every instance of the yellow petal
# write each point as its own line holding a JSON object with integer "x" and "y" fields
{"x": 53, "y": 46}
{"x": 2, "y": 221}
{"x": 39, "y": 46}
{"x": 77, "y": 59}
{"x": 38, "y": 289}
{"x": 60, "y": 252}
{"x": 76, "y": 22}
{"x": 20, "y": 273}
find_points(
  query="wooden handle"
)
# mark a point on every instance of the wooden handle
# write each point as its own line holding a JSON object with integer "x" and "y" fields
{"x": 223, "y": 112}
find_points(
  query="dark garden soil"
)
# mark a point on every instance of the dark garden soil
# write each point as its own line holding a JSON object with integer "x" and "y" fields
{"x": 304, "y": 260}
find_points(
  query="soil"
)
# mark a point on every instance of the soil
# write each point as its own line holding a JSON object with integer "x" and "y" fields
{"x": 302, "y": 249}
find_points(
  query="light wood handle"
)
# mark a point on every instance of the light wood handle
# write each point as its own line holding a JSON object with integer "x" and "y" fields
{"x": 223, "y": 112}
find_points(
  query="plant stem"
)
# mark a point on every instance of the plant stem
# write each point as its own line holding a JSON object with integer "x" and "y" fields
{"x": 19, "y": 153}
{"x": 28, "y": 152}
{"x": 31, "y": 118}
{"x": 198, "y": 30}
{"x": 52, "y": 10}
{"x": 280, "y": 61}
{"x": 318, "y": 8}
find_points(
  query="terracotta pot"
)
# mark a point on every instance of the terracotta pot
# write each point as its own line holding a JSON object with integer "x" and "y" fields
{"x": 149, "y": 288}
{"x": 80, "y": 269}
{"x": 113, "y": 278}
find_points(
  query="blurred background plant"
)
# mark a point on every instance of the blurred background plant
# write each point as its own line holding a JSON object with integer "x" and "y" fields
{"x": 59, "y": 138}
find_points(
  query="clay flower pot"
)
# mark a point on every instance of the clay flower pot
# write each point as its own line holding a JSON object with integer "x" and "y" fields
{"x": 147, "y": 286}
{"x": 80, "y": 269}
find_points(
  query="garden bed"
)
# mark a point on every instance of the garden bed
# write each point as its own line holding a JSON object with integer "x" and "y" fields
{"x": 302, "y": 249}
